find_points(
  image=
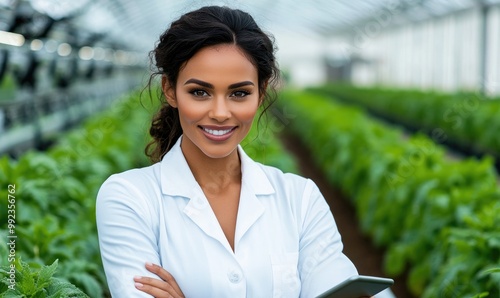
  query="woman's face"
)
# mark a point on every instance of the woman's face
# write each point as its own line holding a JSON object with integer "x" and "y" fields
{"x": 217, "y": 96}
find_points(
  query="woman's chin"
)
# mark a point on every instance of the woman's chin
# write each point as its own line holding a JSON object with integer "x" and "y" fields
{"x": 218, "y": 153}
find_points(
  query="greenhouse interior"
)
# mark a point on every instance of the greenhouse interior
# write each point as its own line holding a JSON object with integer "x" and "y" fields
{"x": 390, "y": 107}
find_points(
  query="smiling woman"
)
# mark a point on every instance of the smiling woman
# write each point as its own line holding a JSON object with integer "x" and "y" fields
{"x": 205, "y": 220}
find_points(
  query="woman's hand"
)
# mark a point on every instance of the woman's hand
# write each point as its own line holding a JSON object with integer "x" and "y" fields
{"x": 166, "y": 287}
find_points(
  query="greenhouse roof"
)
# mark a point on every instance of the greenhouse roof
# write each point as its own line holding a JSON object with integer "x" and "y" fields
{"x": 137, "y": 24}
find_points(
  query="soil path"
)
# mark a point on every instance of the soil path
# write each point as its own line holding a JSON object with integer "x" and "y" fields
{"x": 359, "y": 248}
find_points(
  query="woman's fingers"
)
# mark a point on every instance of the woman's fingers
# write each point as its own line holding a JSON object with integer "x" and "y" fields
{"x": 165, "y": 275}
{"x": 165, "y": 287}
{"x": 155, "y": 287}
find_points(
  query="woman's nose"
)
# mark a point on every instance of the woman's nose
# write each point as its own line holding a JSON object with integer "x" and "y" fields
{"x": 220, "y": 110}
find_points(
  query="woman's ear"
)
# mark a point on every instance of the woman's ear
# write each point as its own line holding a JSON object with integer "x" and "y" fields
{"x": 168, "y": 91}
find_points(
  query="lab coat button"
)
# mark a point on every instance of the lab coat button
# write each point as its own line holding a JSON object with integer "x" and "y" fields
{"x": 234, "y": 276}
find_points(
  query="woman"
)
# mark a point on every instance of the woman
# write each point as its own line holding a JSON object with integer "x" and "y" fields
{"x": 205, "y": 220}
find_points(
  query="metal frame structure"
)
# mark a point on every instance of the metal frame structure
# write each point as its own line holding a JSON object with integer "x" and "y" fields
{"x": 58, "y": 72}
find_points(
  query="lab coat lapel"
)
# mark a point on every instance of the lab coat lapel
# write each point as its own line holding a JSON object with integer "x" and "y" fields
{"x": 177, "y": 180}
{"x": 176, "y": 177}
{"x": 249, "y": 211}
{"x": 254, "y": 185}
{"x": 199, "y": 211}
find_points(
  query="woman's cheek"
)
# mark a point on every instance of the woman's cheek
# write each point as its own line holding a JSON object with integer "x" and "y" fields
{"x": 192, "y": 112}
{"x": 247, "y": 113}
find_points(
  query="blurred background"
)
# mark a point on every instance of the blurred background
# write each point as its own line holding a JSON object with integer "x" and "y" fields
{"x": 394, "y": 104}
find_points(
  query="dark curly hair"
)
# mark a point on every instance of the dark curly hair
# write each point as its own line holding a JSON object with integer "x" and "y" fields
{"x": 207, "y": 26}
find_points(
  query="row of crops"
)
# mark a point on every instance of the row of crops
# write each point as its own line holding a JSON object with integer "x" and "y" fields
{"x": 436, "y": 218}
{"x": 56, "y": 245}
{"x": 468, "y": 121}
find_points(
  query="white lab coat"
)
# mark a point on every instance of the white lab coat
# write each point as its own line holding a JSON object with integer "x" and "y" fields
{"x": 286, "y": 241}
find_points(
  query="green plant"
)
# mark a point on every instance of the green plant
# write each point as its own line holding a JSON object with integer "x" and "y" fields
{"x": 262, "y": 145}
{"x": 35, "y": 282}
{"x": 409, "y": 197}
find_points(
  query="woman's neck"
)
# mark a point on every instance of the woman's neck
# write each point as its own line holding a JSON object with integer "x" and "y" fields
{"x": 214, "y": 175}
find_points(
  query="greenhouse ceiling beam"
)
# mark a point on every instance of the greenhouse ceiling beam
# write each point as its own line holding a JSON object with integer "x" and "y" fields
{"x": 342, "y": 19}
{"x": 376, "y": 13}
{"x": 405, "y": 9}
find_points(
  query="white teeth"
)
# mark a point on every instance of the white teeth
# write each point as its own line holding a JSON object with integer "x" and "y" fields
{"x": 217, "y": 132}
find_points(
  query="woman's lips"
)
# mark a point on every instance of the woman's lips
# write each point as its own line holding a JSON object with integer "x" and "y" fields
{"x": 218, "y": 133}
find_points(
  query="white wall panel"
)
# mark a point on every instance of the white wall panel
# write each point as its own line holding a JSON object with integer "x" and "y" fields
{"x": 468, "y": 34}
{"x": 448, "y": 72}
{"x": 427, "y": 71}
{"x": 442, "y": 53}
{"x": 493, "y": 53}
{"x": 405, "y": 56}
{"x": 303, "y": 58}
{"x": 418, "y": 46}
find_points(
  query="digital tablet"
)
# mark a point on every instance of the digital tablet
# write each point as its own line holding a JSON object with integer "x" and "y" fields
{"x": 358, "y": 286}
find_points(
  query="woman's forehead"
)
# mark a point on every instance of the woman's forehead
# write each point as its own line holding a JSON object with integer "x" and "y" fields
{"x": 225, "y": 62}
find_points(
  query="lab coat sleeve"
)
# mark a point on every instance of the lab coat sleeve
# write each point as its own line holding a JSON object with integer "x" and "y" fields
{"x": 126, "y": 236}
{"x": 322, "y": 263}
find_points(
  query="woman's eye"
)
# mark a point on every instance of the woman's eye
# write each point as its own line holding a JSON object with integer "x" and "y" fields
{"x": 240, "y": 94}
{"x": 199, "y": 93}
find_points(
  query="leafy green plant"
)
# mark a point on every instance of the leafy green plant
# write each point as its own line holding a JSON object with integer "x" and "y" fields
{"x": 35, "y": 282}
{"x": 262, "y": 145}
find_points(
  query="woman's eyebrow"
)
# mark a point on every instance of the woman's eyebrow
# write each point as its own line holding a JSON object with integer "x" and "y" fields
{"x": 240, "y": 84}
{"x": 210, "y": 86}
{"x": 199, "y": 82}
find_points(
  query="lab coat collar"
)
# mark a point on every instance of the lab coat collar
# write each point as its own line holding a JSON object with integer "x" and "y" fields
{"x": 178, "y": 180}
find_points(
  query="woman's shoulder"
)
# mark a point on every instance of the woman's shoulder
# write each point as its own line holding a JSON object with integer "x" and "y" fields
{"x": 137, "y": 176}
{"x": 134, "y": 184}
{"x": 129, "y": 198}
